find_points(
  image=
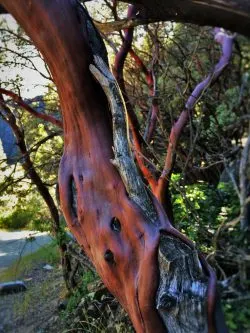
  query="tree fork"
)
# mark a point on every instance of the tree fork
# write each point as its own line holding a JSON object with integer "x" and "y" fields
{"x": 152, "y": 269}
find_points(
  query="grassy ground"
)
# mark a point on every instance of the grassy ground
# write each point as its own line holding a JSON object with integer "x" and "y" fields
{"x": 36, "y": 309}
{"x": 47, "y": 254}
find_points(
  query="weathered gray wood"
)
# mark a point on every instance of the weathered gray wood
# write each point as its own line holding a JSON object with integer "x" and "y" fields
{"x": 123, "y": 161}
{"x": 182, "y": 288}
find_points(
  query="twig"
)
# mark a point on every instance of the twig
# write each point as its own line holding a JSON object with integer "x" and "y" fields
{"x": 28, "y": 108}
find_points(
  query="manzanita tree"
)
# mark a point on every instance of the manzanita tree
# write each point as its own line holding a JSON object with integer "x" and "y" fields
{"x": 154, "y": 271}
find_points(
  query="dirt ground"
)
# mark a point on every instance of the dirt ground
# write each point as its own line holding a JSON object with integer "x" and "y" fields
{"x": 36, "y": 309}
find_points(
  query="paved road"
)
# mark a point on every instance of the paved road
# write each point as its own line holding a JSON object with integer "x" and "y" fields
{"x": 14, "y": 244}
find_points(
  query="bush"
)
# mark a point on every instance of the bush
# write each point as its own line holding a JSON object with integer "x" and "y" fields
{"x": 27, "y": 214}
{"x": 19, "y": 219}
{"x": 237, "y": 316}
{"x": 199, "y": 209}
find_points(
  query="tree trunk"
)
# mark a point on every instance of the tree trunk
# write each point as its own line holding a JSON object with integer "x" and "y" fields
{"x": 153, "y": 270}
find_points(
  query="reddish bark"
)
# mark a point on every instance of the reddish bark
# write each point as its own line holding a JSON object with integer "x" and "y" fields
{"x": 120, "y": 240}
{"x": 131, "y": 272}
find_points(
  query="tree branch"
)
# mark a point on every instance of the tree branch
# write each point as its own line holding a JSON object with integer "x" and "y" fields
{"x": 16, "y": 98}
{"x": 123, "y": 24}
{"x": 226, "y": 42}
{"x": 232, "y": 15}
{"x": 133, "y": 122}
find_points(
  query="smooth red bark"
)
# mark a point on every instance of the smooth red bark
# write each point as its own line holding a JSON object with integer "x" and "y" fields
{"x": 131, "y": 274}
{"x": 125, "y": 257}
{"x": 226, "y": 42}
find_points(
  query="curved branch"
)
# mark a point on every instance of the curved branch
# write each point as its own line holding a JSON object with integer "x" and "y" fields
{"x": 232, "y": 15}
{"x": 126, "y": 23}
{"x": 16, "y": 98}
{"x": 226, "y": 42}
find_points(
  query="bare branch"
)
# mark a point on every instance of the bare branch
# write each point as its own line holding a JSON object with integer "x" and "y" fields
{"x": 226, "y": 42}
{"x": 118, "y": 25}
{"x": 28, "y": 108}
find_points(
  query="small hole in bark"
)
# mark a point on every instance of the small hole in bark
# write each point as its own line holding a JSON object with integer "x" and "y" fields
{"x": 109, "y": 256}
{"x": 115, "y": 225}
{"x": 81, "y": 178}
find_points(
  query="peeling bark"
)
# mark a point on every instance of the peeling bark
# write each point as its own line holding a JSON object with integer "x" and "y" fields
{"x": 123, "y": 235}
{"x": 182, "y": 288}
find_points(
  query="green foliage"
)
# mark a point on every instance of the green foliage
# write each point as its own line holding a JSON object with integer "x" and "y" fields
{"x": 224, "y": 111}
{"x": 18, "y": 219}
{"x": 199, "y": 209}
{"x": 81, "y": 291}
{"x": 28, "y": 213}
{"x": 237, "y": 316}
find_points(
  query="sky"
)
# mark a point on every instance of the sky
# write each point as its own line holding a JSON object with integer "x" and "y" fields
{"x": 33, "y": 82}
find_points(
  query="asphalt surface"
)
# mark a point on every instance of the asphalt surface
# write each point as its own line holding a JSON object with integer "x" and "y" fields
{"x": 15, "y": 244}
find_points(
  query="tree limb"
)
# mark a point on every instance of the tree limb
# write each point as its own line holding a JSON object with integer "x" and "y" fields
{"x": 226, "y": 42}
{"x": 16, "y": 98}
{"x": 123, "y": 24}
{"x": 232, "y": 15}
{"x": 133, "y": 122}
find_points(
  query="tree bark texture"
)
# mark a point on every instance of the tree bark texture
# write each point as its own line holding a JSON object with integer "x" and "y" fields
{"x": 229, "y": 14}
{"x": 152, "y": 269}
